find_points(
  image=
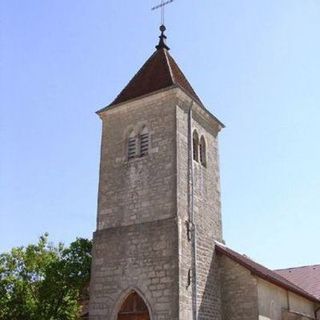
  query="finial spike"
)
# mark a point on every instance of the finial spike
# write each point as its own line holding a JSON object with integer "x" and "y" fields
{"x": 162, "y": 37}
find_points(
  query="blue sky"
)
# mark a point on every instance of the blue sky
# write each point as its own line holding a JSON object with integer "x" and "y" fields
{"x": 256, "y": 66}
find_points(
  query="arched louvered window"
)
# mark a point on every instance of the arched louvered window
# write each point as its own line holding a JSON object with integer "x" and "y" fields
{"x": 203, "y": 155}
{"x": 132, "y": 146}
{"x": 195, "y": 146}
{"x": 144, "y": 142}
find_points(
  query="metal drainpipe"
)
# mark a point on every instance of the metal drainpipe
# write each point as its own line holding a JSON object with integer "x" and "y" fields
{"x": 191, "y": 216}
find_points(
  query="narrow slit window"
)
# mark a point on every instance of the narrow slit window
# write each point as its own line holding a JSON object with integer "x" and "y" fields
{"x": 132, "y": 148}
{"x": 144, "y": 142}
{"x": 203, "y": 156}
{"x": 195, "y": 146}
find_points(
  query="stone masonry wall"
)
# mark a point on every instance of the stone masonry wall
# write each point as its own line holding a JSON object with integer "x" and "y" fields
{"x": 207, "y": 216}
{"x": 141, "y": 257}
{"x": 136, "y": 243}
{"x": 141, "y": 240}
{"x": 238, "y": 290}
{"x": 141, "y": 189}
{"x": 185, "y": 260}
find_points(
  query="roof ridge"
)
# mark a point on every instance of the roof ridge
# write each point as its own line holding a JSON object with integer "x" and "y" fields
{"x": 181, "y": 80}
{"x": 169, "y": 66}
{"x": 290, "y": 268}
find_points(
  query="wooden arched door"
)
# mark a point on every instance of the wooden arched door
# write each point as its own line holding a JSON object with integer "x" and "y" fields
{"x": 134, "y": 308}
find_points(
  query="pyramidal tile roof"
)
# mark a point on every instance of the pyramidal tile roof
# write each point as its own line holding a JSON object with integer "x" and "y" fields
{"x": 159, "y": 72}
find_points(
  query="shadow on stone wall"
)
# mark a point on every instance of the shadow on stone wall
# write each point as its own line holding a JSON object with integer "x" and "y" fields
{"x": 210, "y": 305}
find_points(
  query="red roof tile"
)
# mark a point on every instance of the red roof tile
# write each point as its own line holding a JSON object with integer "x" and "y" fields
{"x": 180, "y": 79}
{"x": 159, "y": 72}
{"x": 308, "y": 278}
{"x": 264, "y": 273}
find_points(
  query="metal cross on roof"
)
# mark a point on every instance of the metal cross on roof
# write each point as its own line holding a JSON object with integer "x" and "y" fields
{"x": 162, "y": 6}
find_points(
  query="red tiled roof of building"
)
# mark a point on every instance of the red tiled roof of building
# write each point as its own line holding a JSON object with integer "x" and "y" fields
{"x": 179, "y": 78}
{"x": 308, "y": 278}
{"x": 159, "y": 72}
{"x": 264, "y": 273}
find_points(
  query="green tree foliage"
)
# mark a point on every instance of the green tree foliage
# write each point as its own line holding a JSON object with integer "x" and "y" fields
{"x": 43, "y": 281}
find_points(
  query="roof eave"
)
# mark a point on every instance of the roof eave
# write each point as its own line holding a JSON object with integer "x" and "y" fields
{"x": 199, "y": 102}
{"x": 266, "y": 277}
{"x": 112, "y": 105}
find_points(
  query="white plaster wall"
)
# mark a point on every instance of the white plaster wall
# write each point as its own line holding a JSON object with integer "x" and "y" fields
{"x": 273, "y": 301}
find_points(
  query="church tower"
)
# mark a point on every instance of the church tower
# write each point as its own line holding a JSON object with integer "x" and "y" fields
{"x": 159, "y": 201}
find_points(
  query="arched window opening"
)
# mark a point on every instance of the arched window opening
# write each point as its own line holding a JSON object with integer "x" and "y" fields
{"x": 134, "y": 308}
{"x": 195, "y": 146}
{"x": 203, "y": 155}
{"x": 144, "y": 142}
{"x": 132, "y": 146}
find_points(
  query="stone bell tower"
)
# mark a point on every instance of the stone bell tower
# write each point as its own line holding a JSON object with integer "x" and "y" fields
{"x": 159, "y": 201}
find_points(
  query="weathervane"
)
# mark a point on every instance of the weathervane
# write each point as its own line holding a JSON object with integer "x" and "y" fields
{"x": 162, "y": 42}
{"x": 162, "y": 6}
